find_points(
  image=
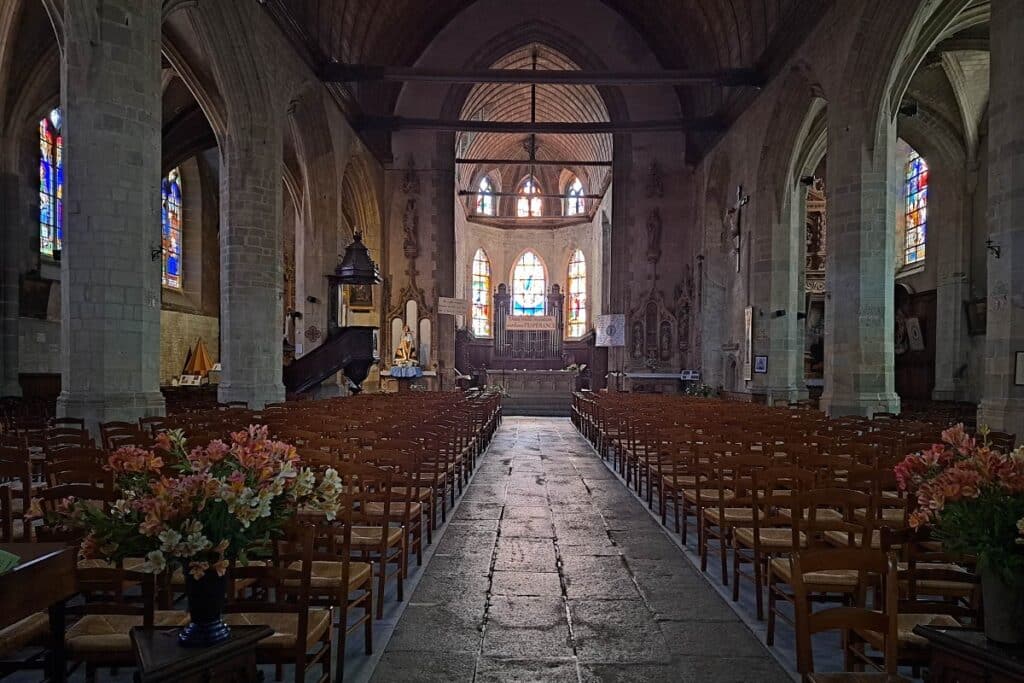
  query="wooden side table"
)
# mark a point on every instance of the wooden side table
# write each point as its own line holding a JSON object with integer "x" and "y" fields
{"x": 161, "y": 658}
{"x": 961, "y": 655}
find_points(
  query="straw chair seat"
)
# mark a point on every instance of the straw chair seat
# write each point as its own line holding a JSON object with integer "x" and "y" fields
{"x": 707, "y": 497}
{"x": 327, "y": 574}
{"x": 285, "y": 626}
{"x": 370, "y": 536}
{"x": 397, "y": 509}
{"x": 732, "y": 515}
{"x": 842, "y": 538}
{"x": 772, "y": 538}
{"x": 905, "y": 624}
{"x": 828, "y": 580}
{"x": 109, "y": 633}
{"x": 22, "y": 633}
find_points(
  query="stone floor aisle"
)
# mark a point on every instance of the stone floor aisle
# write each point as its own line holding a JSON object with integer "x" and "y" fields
{"x": 551, "y": 571}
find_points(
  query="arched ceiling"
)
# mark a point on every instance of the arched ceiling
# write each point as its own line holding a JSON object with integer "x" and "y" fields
{"x": 693, "y": 34}
{"x": 512, "y": 102}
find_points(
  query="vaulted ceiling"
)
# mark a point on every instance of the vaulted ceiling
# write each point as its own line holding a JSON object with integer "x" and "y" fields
{"x": 694, "y": 34}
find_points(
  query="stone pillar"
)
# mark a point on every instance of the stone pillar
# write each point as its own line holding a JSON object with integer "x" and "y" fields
{"x": 860, "y": 268}
{"x": 11, "y": 226}
{"x": 949, "y": 218}
{"x": 110, "y": 283}
{"x": 784, "y": 272}
{"x": 1002, "y": 404}
{"x": 251, "y": 259}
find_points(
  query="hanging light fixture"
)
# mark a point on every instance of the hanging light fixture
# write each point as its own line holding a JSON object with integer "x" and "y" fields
{"x": 356, "y": 267}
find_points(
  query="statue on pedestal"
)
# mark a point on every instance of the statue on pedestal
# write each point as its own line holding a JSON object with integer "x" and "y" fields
{"x": 405, "y": 354}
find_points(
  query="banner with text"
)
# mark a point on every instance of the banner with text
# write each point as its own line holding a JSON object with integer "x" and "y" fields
{"x": 448, "y": 306}
{"x": 518, "y": 323}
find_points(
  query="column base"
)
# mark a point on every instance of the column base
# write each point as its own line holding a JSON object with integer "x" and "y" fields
{"x": 782, "y": 396}
{"x": 864, "y": 405}
{"x": 256, "y": 395}
{"x": 1003, "y": 415}
{"x": 947, "y": 394}
{"x": 94, "y": 407}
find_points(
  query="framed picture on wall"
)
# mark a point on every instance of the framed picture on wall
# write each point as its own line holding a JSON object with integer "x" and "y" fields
{"x": 360, "y": 297}
{"x": 1018, "y": 370}
{"x": 976, "y": 311}
{"x": 761, "y": 365}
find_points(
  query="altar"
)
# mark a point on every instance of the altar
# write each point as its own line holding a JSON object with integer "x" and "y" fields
{"x": 535, "y": 392}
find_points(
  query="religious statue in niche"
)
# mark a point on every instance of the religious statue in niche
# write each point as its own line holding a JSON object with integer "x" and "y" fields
{"x": 411, "y": 181}
{"x": 637, "y": 339}
{"x": 654, "y": 235}
{"x": 405, "y": 353}
{"x": 655, "y": 185}
{"x": 410, "y": 228}
{"x": 665, "y": 341}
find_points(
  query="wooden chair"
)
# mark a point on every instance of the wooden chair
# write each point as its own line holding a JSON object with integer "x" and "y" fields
{"x": 101, "y": 637}
{"x": 870, "y": 567}
{"x": 819, "y": 519}
{"x": 282, "y": 600}
{"x": 373, "y": 537}
{"x": 113, "y": 435}
{"x": 16, "y": 472}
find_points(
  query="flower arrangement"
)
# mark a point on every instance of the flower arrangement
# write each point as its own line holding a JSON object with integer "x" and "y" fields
{"x": 698, "y": 389}
{"x": 973, "y": 497}
{"x": 198, "y": 508}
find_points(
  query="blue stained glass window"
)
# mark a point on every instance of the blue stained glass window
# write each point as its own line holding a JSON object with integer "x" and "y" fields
{"x": 485, "y": 197}
{"x": 481, "y": 294}
{"x": 51, "y": 183}
{"x": 528, "y": 285}
{"x": 574, "y": 202}
{"x": 527, "y": 204}
{"x": 916, "y": 209}
{"x": 577, "y": 312}
{"x": 170, "y": 218}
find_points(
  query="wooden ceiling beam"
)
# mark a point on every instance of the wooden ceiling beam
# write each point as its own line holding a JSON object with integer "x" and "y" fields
{"x": 540, "y": 195}
{"x": 527, "y": 162}
{"x": 394, "y": 123}
{"x": 354, "y": 73}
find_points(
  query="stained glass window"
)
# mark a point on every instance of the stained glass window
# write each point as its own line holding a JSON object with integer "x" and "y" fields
{"x": 528, "y": 285}
{"x": 481, "y": 294}
{"x": 577, "y": 312}
{"x": 485, "y": 197}
{"x": 527, "y": 204}
{"x": 51, "y": 183}
{"x": 574, "y": 202}
{"x": 916, "y": 209}
{"x": 170, "y": 215}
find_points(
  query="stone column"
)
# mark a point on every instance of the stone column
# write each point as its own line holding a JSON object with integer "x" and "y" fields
{"x": 251, "y": 259}
{"x": 110, "y": 283}
{"x": 949, "y": 207}
{"x": 860, "y": 269}
{"x": 1002, "y": 404}
{"x": 783, "y": 298}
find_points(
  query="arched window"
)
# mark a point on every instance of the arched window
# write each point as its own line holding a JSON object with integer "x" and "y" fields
{"x": 916, "y": 212}
{"x": 51, "y": 183}
{"x": 170, "y": 216}
{"x": 574, "y": 202}
{"x": 485, "y": 197}
{"x": 527, "y": 204}
{"x": 481, "y": 294}
{"x": 577, "y": 295}
{"x": 528, "y": 285}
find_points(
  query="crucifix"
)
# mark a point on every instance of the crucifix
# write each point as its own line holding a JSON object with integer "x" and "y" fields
{"x": 735, "y": 219}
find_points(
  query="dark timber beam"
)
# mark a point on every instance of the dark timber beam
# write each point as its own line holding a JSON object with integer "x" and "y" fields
{"x": 540, "y": 195}
{"x": 528, "y": 162}
{"x": 352, "y": 73}
{"x": 393, "y": 123}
